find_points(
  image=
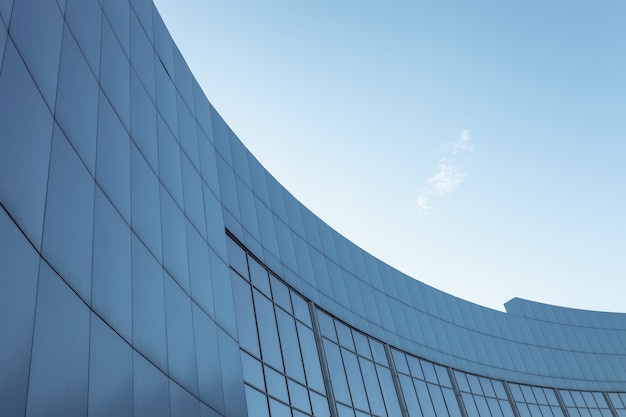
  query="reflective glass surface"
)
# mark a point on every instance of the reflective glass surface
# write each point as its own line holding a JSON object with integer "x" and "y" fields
{"x": 483, "y": 397}
{"x": 585, "y": 403}
{"x": 279, "y": 355}
{"x": 535, "y": 401}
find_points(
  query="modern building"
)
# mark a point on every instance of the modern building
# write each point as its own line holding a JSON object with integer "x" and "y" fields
{"x": 150, "y": 266}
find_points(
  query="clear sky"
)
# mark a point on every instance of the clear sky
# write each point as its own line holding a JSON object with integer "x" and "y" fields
{"x": 478, "y": 146}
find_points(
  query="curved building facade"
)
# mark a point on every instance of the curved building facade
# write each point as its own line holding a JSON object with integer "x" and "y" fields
{"x": 150, "y": 266}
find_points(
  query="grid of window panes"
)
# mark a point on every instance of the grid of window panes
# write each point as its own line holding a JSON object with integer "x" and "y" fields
{"x": 535, "y": 401}
{"x": 483, "y": 397}
{"x": 359, "y": 371}
{"x": 283, "y": 374}
{"x": 426, "y": 387}
{"x": 281, "y": 366}
{"x": 585, "y": 403}
{"x": 618, "y": 400}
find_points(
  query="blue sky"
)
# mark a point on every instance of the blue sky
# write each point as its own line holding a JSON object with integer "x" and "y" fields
{"x": 479, "y": 147}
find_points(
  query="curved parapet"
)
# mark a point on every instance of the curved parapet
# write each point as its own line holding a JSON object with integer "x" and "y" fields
{"x": 150, "y": 265}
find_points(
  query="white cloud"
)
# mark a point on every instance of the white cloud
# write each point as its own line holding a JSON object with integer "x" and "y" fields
{"x": 460, "y": 145}
{"x": 422, "y": 201}
{"x": 448, "y": 176}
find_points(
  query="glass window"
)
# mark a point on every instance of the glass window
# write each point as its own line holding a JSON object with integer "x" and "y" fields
{"x": 259, "y": 276}
{"x": 252, "y": 371}
{"x": 278, "y": 409}
{"x": 319, "y": 405}
{"x": 327, "y": 325}
{"x": 389, "y": 391}
{"x": 378, "y": 352}
{"x": 355, "y": 380}
{"x": 289, "y": 344}
{"x": 246, "y": 322}
{"x": 257, "y": 402}
{"x": 362, "y": 346}
{"x": 266, "y": 320}
{"x": 237, "y": 257}
{"x": 345, "y": 336}
{"x": 301, "y": 308}
{"x": 280, "y": 293}
{"x": 415, "y": 367}
{"x": 276, "y": 384}
{"x": 399, "y": 360}
{"x": 337, "y": 374}
{"x": 299, "y": 396}
{"x": 372, "y": 387}
{"x": 310, "y": 358}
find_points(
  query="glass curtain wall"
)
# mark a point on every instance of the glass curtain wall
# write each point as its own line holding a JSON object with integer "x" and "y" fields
{"x": 585, "y": 403}
{"x": 280, "y": 362}
{"x": 535, "y": 401}
{"x": 359, "y": 371}
{"x": 426, "y": 387}
{"x": 291, "y": 361}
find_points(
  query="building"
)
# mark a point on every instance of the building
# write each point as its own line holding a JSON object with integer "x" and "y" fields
{"x": 150, "y": 266}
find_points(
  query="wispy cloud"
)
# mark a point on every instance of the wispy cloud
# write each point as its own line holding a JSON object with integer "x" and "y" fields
{"x": 448, "y": 176}
{"x": 460, "y": 145}
{"x": 446, "y": 179}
